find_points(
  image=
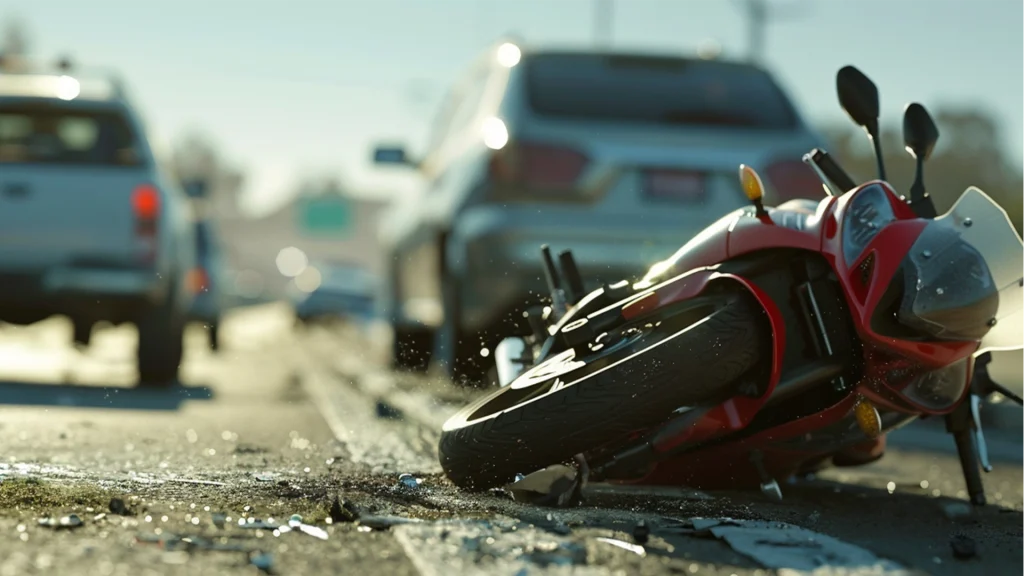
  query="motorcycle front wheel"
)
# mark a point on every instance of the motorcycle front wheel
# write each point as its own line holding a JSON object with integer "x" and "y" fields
{"x": 691, "y": 353}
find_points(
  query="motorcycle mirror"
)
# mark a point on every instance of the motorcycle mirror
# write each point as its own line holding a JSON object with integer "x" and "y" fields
{"x": 858, "y": 96}
{"x": 919, "y": 137}
{"x": 919, "y": 132}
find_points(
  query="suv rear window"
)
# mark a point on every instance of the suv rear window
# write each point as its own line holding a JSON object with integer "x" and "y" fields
{"x": 32, "y": 133}
{"x": 656, "y": 90}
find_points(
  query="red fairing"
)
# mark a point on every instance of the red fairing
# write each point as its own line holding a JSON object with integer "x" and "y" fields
{"x": 793, "y": 224}
{"x": 735, "y": 413}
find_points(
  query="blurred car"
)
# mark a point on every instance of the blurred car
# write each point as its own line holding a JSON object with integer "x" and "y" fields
{"x": 344, "y": 292}
{"x": 621, "y": 157}
{"x": 208, "y": 279}
{"x": 90, "y": 227}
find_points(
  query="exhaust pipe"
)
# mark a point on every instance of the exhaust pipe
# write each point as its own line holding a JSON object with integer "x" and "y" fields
{"x": 510, "y": 359}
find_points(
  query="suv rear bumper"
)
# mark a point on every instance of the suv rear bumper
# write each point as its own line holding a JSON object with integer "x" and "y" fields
{"x": 114, "y": 295}
{"x": 501, "y": 275}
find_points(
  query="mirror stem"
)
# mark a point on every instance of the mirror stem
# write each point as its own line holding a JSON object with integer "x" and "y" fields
{"x": 872, "y": 129}
{"x": 920, "y": 201}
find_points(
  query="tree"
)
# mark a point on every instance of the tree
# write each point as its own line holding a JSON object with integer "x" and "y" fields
{"x": 970, "y": 153}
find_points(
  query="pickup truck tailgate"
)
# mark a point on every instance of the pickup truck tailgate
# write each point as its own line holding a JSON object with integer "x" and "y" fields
{"x": 68, "y": 215}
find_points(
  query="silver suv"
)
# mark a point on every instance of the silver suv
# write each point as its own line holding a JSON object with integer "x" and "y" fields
{"x": 89, "y": 226}
{"x": 621, "y": 157}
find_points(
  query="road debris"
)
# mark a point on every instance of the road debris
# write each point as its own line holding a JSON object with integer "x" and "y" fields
{"x": 385, "y": 522}
{"x": 68, "y": 522}
{"x": 641, "y": 532}
{"x": 638, "y": 550}
{"x": 964, "y": 547}
{"x": 558, "y": 485}
{"x": 778, "y": 546}
{"x": 409, "y": 481}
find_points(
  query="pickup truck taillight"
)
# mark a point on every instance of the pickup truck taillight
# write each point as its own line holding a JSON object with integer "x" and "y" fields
{"x": 146, "y": 207}
{"x": 793, "y": 179}
{"x": 535, "y": 169}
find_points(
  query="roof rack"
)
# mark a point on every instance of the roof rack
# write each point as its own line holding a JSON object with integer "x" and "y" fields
{"x": 63, "y": 66}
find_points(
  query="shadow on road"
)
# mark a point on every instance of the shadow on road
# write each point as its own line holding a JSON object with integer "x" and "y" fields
{"x": 119, "y": 398}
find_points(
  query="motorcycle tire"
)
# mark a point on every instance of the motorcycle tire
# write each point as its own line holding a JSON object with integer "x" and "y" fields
{"x": 693, "y": 353}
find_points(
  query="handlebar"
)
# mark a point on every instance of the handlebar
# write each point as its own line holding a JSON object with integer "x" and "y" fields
{"x": 828, "y": 170}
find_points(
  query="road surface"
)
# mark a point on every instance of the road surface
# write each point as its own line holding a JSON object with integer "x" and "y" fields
{"x": 205, "y": 477}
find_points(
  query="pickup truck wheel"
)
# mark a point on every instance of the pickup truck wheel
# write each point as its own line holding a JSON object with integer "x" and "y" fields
{"x": 81, "y": 332}
{"x": 161, "y": 335}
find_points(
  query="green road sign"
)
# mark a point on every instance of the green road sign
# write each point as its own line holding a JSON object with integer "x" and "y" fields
{"x": 331, "y": 216}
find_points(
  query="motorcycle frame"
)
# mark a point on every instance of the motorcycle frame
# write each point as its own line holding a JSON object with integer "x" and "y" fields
{"x": 798, "y": 399}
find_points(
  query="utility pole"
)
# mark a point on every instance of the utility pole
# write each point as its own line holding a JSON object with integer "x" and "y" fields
{"x": 759, "y": 15}
{"x": 603, "y": 22}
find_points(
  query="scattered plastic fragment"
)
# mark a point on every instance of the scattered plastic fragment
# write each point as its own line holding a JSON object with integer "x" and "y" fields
{"x": 638, "y": 550}
{"x": 63, "y": 523}
{"x": 778, "y": 545}
{"x": 557, "y": 485}
{"x": 964, "y": 547}
{"x": 385, "y": 522}
{"x": 547, "y": 554}
{"x": 409, "y": 481}
{"x": 266, "y": 476}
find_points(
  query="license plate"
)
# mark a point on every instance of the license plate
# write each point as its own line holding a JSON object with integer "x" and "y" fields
{"x": 674, "y": 185}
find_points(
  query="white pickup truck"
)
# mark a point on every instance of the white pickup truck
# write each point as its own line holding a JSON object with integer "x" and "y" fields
{"x": 90, "y": 227}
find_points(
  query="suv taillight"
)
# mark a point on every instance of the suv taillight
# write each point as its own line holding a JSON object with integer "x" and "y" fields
{"x": 531, "y": 167}
{"x": 793, "y": 179}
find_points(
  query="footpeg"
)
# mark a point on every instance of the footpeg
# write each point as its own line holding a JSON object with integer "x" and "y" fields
{"x": 769, "y": 487}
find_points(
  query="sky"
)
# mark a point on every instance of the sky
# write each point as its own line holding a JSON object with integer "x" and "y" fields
{"x": 285, "y": 87}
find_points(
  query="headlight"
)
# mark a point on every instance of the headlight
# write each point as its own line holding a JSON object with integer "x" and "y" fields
{"x": 938, "y": 389}
{"x": 868, "y": 212}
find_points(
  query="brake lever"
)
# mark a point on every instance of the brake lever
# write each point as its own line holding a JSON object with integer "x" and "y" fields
{"x": 979, "y": 435}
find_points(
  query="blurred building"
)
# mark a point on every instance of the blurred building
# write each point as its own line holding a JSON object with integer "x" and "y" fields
{"x": 326, "y": 224}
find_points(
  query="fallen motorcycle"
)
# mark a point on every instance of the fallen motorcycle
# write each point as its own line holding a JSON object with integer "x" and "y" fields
{"x": 776, "y": 342}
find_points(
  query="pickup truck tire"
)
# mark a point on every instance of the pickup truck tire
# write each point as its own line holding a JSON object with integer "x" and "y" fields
{"x": 161, "y": 344}
{"x": 81, "y": 332}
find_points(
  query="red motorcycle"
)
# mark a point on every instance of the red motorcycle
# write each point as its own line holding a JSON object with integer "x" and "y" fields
{"x": 776, "y": 342}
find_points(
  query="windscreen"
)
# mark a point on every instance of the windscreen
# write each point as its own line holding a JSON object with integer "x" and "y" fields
{"x": 656, "y": 90}
{"x": 55, "y": 134}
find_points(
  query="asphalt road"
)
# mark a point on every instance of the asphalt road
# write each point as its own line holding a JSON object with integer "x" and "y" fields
{"x": 284, "y": 422}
